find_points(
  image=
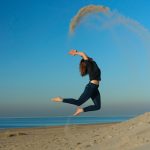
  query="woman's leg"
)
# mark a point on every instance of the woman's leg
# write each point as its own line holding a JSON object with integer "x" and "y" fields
{"x": 96, "y": 98}
{"x": 83, "y": 98}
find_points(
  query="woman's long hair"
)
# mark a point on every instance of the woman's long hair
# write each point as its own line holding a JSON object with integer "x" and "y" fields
{"x": 83, "y": 67}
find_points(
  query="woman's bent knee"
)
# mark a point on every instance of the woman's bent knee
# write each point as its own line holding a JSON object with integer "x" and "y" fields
{"x": 98, "y": 107}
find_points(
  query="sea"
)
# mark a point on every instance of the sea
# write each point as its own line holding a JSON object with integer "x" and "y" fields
{"x": 9, "y": 123}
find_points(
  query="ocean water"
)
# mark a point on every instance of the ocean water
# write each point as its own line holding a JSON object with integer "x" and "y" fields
{"x": 6, "y": 123}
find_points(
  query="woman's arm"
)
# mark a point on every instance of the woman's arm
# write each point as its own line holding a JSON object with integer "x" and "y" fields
{"x": 82, "y": 54}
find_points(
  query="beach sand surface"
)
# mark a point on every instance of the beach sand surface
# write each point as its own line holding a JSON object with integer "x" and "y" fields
{"x": 133, "y": 134}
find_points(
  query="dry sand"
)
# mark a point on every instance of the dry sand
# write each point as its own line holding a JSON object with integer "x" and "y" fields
{"x": 133, "y": 134}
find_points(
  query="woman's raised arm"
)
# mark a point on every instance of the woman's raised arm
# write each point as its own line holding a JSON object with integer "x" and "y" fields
{"x": 82, "y": 54}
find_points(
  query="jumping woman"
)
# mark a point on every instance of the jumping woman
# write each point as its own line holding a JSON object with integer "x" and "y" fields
{"x": 87, "y": 66}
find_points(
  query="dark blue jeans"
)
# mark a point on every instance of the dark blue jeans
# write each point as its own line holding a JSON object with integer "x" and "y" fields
{"x": 90, "y": 91}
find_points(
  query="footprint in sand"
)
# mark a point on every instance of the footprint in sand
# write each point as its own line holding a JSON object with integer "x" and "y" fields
{"x": 78, "y": 143}
{"x": 88, "y": 145}
{"x": 12, "y": 134}
{"x": 95, "y": 141}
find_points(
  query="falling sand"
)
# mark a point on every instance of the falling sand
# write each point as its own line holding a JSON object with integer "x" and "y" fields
{"x": 113, "y": 18}
{"x": 84, "y": 12}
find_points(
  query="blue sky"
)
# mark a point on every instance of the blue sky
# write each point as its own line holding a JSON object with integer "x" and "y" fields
{"x": 35, "y": 65}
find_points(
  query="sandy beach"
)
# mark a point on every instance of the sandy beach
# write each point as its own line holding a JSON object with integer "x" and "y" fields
{"x": 133, "y": 134}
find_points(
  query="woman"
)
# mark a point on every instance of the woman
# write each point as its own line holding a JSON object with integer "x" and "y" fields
{"x": 87, "y": 66}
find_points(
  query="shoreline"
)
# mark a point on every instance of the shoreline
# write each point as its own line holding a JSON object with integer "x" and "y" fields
{"x": 49, "y": 122}
{"x": 58, "y": 126}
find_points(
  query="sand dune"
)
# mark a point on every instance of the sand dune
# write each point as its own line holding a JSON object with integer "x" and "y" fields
{"x": 133, "y": 134}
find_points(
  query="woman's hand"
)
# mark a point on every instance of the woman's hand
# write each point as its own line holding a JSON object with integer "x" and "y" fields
{"x": 82, "y": 54}
{"x": 73, "y": 52}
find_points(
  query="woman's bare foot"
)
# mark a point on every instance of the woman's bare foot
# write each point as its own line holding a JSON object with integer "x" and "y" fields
{"x": 57, "y": 99}
{"x": 78, "y": 111}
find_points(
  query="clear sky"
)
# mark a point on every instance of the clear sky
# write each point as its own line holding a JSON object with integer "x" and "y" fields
{"x": 35, "y": 65}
